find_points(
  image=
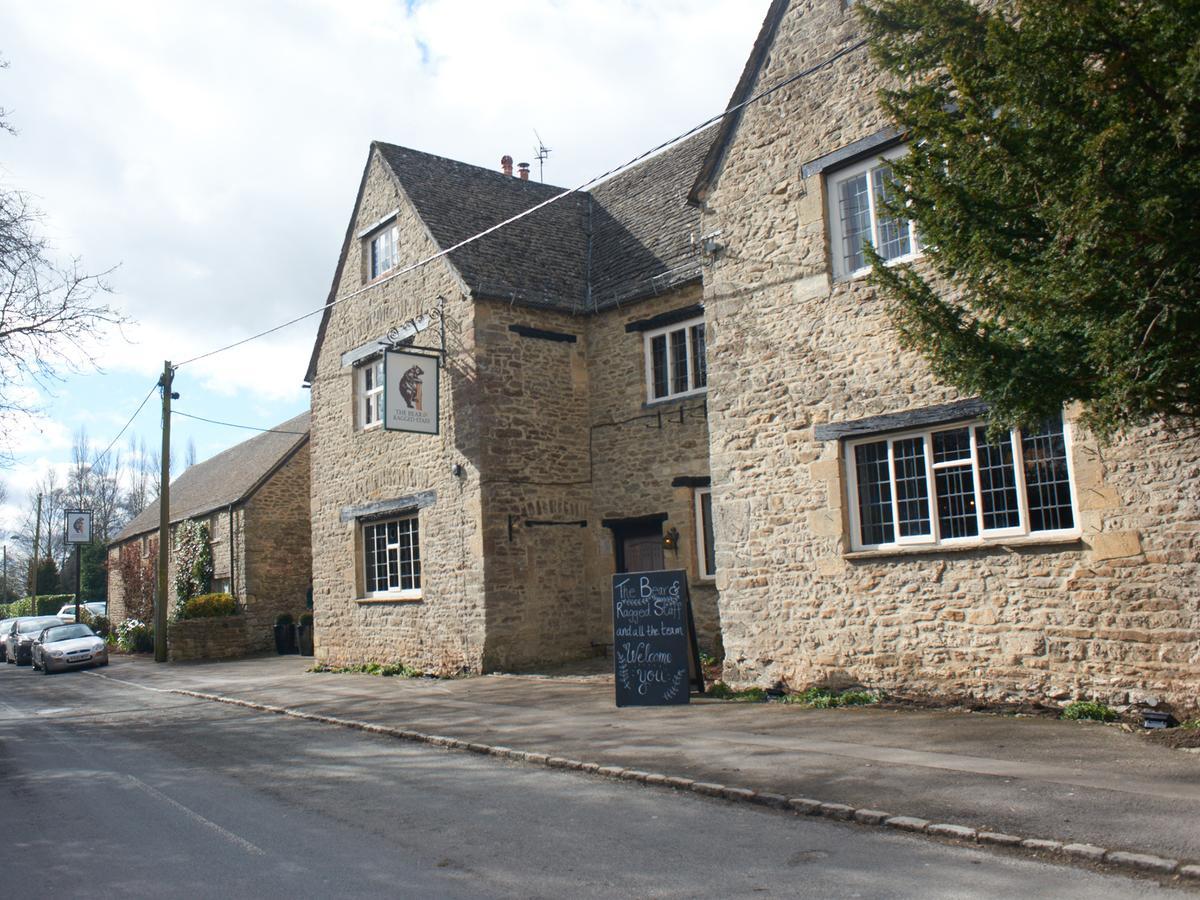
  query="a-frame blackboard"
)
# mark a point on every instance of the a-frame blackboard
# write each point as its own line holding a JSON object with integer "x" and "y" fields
{"x": 654, "y": 639}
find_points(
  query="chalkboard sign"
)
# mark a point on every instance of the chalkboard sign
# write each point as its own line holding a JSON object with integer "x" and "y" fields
{"x": 650, "y": 638}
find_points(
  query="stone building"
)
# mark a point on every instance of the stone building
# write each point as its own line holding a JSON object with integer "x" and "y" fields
{"x": 867, "y": 530}
{"x": 254, "y": 498}
{"x": 706, "y": 314}
{"x": 572, "y": 439}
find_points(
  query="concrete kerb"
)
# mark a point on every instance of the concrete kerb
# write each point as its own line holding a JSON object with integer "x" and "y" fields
{"x": 1141, "y": 863}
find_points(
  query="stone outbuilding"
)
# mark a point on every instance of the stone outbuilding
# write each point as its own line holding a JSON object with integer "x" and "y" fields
{"x": 571, "y": 440}
{"x": 867, "y": 528}
{"x": 254, "y": 498}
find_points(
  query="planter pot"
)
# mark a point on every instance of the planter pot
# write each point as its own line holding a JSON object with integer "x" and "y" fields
{"x": 285, "y": 639}
{"x": 305, "y": 636}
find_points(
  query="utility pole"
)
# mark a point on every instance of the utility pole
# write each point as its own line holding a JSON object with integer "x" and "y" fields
{"x": 37, "y": 540}
{"x": 164, "y": 517}
{"x": 4, "y": 588}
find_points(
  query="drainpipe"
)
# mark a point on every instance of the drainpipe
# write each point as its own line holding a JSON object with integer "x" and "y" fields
{"x": 232, "y": 584}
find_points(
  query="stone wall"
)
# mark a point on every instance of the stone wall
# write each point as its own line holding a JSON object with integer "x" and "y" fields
{"x": 533, "y": 395}
{"x": 640, "y": 448}
{"x": 1114, "y": 615}
{"x": 278, "y": 548}
{"x": 572, "y": 438}
{"x": 443, "y": 631}
{"x": 220, "y": 638}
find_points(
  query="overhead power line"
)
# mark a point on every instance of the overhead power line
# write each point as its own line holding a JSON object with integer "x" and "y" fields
{"x": 791, "y": 79}
{"x": 176, "y": 412}
{"x": 124, "y": 427}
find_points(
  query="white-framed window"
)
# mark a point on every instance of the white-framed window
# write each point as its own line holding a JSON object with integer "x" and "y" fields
{"x": 706, "y": 562}
{"x": 392, "y": 558}
{"x": 951, "y": 485}
{"x": 383, "y": 247}
{"x": 857, "y": 217}
{"x": 675, "y": 361}
{"x": 369, "y": 388}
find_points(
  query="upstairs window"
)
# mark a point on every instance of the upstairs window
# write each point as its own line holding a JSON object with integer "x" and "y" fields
{"x": 383, "y": 247}
{"x": 956, "y": 486}
{"x": 857, "y": 216}
{"x": 370, "y": 394}
{"x": 675, "y": 361}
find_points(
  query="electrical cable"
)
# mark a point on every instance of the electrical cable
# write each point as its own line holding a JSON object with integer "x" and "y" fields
{"x": 176, "y": 412}
{"x": 124, "y": 427}
{"x": 791, "y": 79}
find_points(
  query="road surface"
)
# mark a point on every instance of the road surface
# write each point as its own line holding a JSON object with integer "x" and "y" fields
{"x": 111, "y": 789}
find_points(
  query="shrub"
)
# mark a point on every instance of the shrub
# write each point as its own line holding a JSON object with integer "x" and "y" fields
{"x": 284, "y": 619}
{"x": 206, "y": 606}
{"x": 135, "y": 636}
{"x": 1088, "y": 709}
{"x": 102, "y": 625}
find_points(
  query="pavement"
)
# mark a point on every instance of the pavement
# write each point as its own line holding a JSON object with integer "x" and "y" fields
{"x": 110, "y": 790}
{"x": 1083, "y": 785}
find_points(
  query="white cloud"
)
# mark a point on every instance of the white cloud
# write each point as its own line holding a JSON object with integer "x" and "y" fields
{"x": 213, "y": 150}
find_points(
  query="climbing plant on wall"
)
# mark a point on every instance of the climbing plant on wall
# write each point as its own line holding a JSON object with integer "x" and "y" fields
{"x": 193, "y": 560}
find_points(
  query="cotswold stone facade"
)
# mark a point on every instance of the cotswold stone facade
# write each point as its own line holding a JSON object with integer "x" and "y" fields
{"x": 555, "y": 464}
{"x": 254, "y": 498}
{"x": 799, "y": 355}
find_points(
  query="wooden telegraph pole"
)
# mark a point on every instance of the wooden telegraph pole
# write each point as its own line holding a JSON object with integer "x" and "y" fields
{"x": 164, "y": 518}
{"x": 37, "y": 548}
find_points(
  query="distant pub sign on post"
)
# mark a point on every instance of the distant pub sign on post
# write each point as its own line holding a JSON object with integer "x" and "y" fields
{"x": 410, "y": 392}
{"x": 79, "y": 526}
{"x": 654, "y": 639}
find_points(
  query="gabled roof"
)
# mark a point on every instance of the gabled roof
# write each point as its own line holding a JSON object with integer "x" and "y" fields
{"x": 228, "y": 478}
{"x": 541, "y": 259}
{"x": 711, "y": 167}
{"x": 630, "y": 237}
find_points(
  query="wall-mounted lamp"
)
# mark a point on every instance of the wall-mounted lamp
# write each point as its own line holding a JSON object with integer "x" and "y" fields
{"x": 671, "y": 540}
{"x": 456, "y": 470}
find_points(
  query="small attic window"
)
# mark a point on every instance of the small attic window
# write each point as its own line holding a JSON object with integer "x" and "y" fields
{"x": 382, "y": 250}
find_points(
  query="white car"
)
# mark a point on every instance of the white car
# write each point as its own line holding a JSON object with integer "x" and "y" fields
{"x": 66, "y": 615}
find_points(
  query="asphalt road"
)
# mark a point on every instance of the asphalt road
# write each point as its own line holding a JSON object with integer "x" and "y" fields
{"x": 109, "y": 789}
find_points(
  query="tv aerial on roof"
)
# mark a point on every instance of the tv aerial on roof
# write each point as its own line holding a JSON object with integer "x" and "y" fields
{"x": 542, "y": 152}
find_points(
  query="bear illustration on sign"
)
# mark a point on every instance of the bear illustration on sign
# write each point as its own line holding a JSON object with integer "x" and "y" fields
{"x": 410, "y": 387}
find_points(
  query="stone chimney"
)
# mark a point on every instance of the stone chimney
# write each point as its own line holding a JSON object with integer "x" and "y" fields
{"x": 524, "y": 168}
{"x": 506, "y": 164}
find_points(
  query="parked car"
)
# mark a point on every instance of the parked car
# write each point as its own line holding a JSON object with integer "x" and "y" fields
{"x": 96, "y": 607}
{"x": 5, "y": 628}
{"x": 25, "y": 631}
{"x": 62, "y": 647}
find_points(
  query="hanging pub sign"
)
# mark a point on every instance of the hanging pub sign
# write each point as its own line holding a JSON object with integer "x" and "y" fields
{"x": 410, "y": 392}
{"x": 79, "y": 526}
{"x": 654, "y": 640}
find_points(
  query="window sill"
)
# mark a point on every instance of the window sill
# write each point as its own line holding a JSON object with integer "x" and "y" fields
{"x": 391, "y": 598}
{"x": 1073, "y": 541}
{"x": 663, "y": 402}
{"x": 860, "y": 274}
{"x": 382, "y": 276}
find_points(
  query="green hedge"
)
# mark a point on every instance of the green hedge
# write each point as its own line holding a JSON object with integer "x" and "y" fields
{"x": 207, "y": 606}
{"x": 48, "y": 605}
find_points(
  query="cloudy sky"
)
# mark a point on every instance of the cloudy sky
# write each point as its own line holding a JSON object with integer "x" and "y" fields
{"x": 211, "y": 152}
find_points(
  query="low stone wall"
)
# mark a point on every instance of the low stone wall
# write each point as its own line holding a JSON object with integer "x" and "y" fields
{"x": 211, "y": 639}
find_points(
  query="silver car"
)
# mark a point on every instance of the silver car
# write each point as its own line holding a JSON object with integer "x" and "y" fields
{"x": 19, "y": 642}
{"x": 5, "y": 628}
{"x": 63, "y": 647}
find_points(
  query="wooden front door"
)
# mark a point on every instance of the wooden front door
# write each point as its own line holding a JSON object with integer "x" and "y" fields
{"x": 643, "y": 553}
